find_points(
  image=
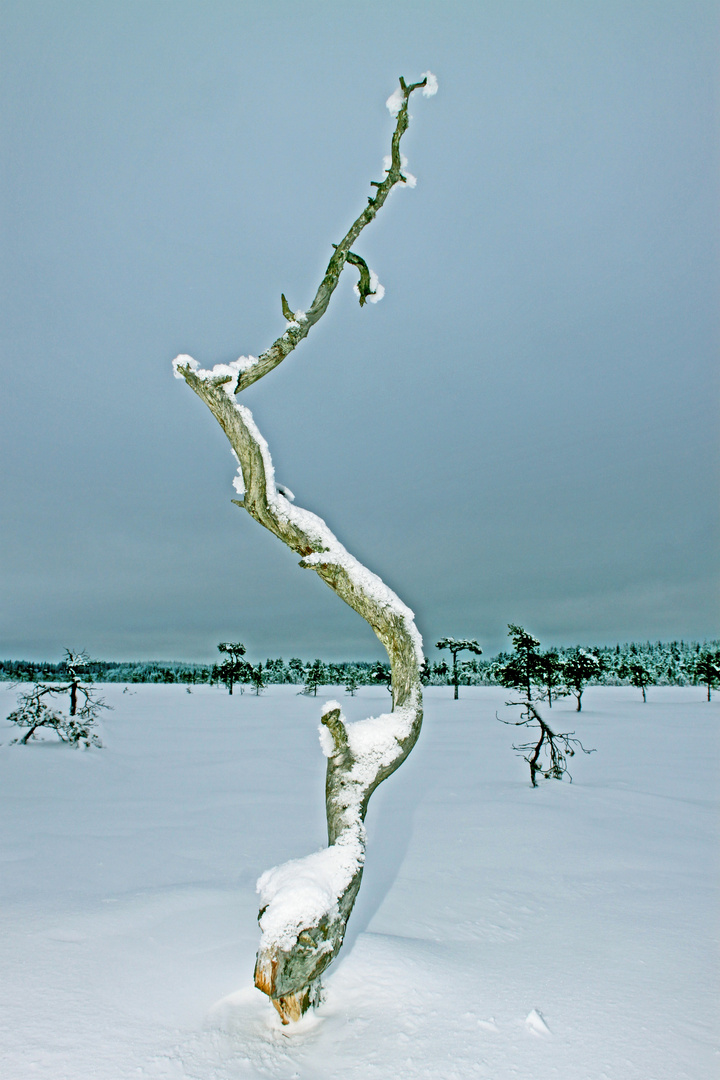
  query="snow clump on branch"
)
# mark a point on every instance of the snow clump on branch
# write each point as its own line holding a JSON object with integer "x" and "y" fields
{"x": 377, "y": 291}
{"x": 327, "y": 743}
{"x": 397, "y": 99}
{"x": 299, "y": 893}
{"x": 410, "y": 180}
{"x": 294, "y": 324}
{"x": 431, "y": 87}
{"x": 395, "y": 102}
{"x": 238, "y": 481}
{"x": 232, "y": 370}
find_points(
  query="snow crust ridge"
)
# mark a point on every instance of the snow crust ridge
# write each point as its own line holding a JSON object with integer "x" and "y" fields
{"x": 535, "y": 1022}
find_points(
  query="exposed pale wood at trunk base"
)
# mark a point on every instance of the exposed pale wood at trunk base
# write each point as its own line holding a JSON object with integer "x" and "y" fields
{"x": 296, "y": 949}
{"x": 293, "y": 1006}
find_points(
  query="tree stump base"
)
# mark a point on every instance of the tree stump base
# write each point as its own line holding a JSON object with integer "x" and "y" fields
{"x": 292, "y": 1007}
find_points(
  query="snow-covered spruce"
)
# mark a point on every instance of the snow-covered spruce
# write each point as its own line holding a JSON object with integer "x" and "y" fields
{"x": 306, "y": 902}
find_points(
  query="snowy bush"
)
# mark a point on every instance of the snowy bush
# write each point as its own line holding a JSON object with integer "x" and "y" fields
{"x": 33, "y": 713}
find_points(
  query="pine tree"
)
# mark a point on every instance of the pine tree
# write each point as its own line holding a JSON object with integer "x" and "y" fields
{"x": 256, "y": 675}
{"x": 352, "y": 679}
{"x": 381, "y": 675}
{"x": 315, "y": 675}
{"x": 522, "y": 667}
{"x": 579, "y": 668}
{"x": 639, "y": 672}
{"x": 233, "y": 669}
{"x": 455, "y": 647}
{"x": 548, "y": 752}
{"x": 706, "y": 669}
{"x": 550, "y": 676}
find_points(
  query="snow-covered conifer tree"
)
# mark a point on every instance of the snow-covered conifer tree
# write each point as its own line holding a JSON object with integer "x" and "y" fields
{"x": 706, "y": 669}
{"x": 315, "y": 675}
{"x": 306, "y": 903}
{"x": 578, "y": 669}
{"x": 457, "y": 646}
{"x": 640, "y": 672}
{"x": 233, "y": 669}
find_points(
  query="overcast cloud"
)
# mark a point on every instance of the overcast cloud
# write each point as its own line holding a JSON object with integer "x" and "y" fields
{"x": 524, "y": 429}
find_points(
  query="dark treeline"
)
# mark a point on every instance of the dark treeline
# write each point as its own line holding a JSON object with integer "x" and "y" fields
{"x": 274, "y": 671}
{"x": 671, "y": 664}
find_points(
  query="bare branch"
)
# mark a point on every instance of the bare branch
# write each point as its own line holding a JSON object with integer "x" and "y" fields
{"x": 365, "y": 288}
{"x": 554, "y": 747}
{"x": 298, "y": 330}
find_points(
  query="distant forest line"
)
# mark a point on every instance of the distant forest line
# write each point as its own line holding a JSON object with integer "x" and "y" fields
{"x": 670, "y": 664}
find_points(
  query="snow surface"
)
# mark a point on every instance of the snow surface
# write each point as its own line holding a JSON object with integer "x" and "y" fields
{"x": 500, "y": 932}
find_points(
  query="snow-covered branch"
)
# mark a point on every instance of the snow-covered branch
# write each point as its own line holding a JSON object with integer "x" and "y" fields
{"x": 250, "y": 369}
{"x": 306, "y": 902}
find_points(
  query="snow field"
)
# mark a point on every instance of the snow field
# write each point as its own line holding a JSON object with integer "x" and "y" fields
{"x": 500, "y": 932}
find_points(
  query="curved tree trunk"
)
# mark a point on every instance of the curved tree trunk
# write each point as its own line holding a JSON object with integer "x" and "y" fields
{"x": 306, "y": 903}
{"x": 303, "y": 927}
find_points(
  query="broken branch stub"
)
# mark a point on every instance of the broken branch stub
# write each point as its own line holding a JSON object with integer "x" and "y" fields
{"x": 306, "y": 903}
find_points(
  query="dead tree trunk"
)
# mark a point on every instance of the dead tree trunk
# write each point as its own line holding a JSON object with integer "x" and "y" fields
{"x": 306, "y": 902}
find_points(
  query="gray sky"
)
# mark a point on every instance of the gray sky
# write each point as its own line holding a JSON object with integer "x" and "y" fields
{"x": 524, "y": 429}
